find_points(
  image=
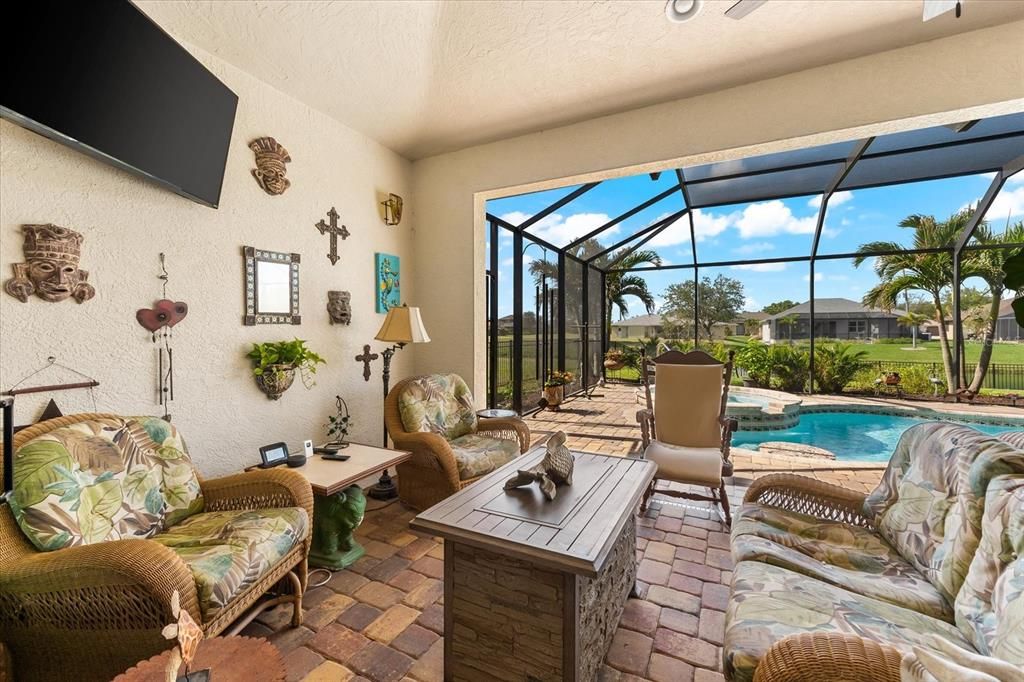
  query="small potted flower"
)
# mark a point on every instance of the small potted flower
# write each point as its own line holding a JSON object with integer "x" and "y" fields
{"x": 615, "y": 359}
{"x": 554, "y": 387}
{"x": 274, "y": 365}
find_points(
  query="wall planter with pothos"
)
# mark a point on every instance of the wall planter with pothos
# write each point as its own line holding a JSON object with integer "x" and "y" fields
{"x": 275, "y": 364}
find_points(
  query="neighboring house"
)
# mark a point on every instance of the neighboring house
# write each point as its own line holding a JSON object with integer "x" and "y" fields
{"x": 1007, "y": 328}
{"x": 639, "y": 327}
{"x": 834, "y": 318}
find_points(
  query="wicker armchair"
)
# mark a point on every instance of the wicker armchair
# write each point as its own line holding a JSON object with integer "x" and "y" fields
{"x": 93, "y": 610}
{"x": 432, "y": 473}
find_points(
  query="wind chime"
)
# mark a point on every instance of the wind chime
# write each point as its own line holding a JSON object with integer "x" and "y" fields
{"x": 159, "y": 320}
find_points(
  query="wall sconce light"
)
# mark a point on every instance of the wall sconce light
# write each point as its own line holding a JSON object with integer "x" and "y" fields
{"x": 392, "y": 209}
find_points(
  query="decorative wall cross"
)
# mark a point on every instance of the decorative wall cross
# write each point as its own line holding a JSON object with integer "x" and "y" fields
{"x": 334, "y": 231}
{"x": 366, "y": 358}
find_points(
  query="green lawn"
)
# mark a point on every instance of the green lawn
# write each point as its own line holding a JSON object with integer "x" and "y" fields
{"x": 928, "y": 351}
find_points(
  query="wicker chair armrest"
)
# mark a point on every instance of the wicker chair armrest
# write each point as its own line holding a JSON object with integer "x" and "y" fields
{"x": 812, "y": 657}
{"x": 512, "y": 428}
{"x": 809, "y": 496}
{"x": 258, "y": 489}
{"x": 100, "y": 585}
{"x": 429, "y": 450}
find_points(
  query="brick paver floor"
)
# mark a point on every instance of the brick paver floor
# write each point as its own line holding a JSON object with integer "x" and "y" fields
{"x": 382, "y": 620}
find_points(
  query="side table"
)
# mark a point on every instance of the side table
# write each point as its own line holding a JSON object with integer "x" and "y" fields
{"x": 495, "y": 413}
{"x": 229, "y": 659}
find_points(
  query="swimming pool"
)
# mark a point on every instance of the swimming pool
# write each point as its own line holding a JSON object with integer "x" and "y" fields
{"x": 852, "y": 436}
{"x": 747, "y": 400}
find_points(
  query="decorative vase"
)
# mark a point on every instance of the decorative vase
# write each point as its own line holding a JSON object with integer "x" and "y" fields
{"x": 614, "y": 365}
{"x": 275, "y": 380}
{"x": 554, "y": 395}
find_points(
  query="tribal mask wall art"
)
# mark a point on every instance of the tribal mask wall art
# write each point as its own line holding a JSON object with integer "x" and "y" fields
{"x": 50, "y": 270}
{"x": 270, "y": 168}
{"x": 339, "y": 307}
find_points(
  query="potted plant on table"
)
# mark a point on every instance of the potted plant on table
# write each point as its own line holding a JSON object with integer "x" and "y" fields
{"x": 275, "y": 364}
{"x": 554, "y": 387}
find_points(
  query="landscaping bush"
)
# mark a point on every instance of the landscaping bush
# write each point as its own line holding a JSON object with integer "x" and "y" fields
{"x": 835, "y": 365}
{"x": 789, "y": 365}
{"x": 900, "y": 341}
{"x": 913, "y": 380}
{"x": 755, "y": 357}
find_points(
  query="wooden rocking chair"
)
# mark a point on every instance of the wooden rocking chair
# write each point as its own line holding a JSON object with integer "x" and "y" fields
{"x": 684, "y": 428}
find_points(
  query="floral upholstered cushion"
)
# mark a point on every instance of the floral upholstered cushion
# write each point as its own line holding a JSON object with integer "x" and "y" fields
{"x": 103, "y": 479}
{"x": 1014, "y": 438}
{"x": 476, "y": 455}
{"x": 929, "y": 502}
{"x": 990, "y": 606}
{"x": 228, "y": 551}
{"x": 769, "y": 603}
{"x": 847, "y": 556}
{"x": 438, "y": 403}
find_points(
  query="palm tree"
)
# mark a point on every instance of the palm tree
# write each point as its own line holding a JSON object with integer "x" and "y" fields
{"x": 989, "y": 266}
{"x": 899, "y": 273}
{"x": 619, "y": 286}
{"x": 912, "y": 320}
{"x": 789, "y": 320}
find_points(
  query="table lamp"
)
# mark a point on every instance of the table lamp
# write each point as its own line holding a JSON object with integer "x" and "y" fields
{"x": 402, "y": 325}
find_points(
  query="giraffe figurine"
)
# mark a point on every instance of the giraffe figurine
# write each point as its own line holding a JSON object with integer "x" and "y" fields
{"x": 187, "y": 632}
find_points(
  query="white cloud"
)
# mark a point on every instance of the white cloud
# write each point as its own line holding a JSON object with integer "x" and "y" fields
{"x": 837, "y": 199}
{"x": 705, "y": 225}
{"x": 762, "y": 267}
{"x": 559, "y": 229}
{"x": 1016, "y": 179}
{"x": 709, "y": 224}
{"x": 678, "y": 232}
{"x": 1009, "y": 202}
{"x": 756, "y": 247}
{"x": 751, "y": 304}
{"x": 820, "y": 276}
{"x": 770, "y": 218}
{"x": 817, "y": 277}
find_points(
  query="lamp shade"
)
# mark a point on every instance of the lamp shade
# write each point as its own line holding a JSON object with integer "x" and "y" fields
{"x": 403, "y": 325}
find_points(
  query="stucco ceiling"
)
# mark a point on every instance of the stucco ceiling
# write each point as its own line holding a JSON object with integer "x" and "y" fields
{"x": 428, "y": 76}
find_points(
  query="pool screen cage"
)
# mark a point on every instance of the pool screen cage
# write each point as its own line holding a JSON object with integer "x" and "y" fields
{"x": 565, "y": 329}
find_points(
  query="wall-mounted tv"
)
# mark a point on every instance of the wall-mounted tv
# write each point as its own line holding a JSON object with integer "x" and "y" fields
{"x": 104, "y": 79}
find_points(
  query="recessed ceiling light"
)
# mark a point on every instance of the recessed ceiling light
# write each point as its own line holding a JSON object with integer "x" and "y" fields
{"x": 678, "y": 11}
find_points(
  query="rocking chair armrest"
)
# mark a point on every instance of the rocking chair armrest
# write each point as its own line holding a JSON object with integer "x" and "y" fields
{"x": 510, "y": 428}
{"x": 810, "y": 657}
{"x": 121, "y": 572}
{"x": 258, "y": 489}
{"x": 429, "y": 450}
{"x": 729, "y": 424}
{"x": 809, "y": 496}
{"x": 645, "y": 418}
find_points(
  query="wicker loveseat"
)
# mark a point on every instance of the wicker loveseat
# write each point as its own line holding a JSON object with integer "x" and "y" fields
{"x": 830, "y": 584}
{"x": 110, "y": 519}
{"x": 433, "y": 417}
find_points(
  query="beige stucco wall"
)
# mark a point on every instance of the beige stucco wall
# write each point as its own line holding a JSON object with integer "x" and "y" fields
{"x": 981, "y": 71}
{"x": 127, "y": 221}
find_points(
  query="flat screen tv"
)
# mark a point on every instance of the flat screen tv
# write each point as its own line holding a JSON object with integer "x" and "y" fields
{"x": 102, "y": 78}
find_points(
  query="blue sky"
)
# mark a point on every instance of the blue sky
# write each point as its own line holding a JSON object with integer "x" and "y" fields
{"x": 766, "y": 229}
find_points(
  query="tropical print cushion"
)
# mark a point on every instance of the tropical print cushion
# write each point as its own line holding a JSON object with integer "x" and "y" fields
{"x": 103, "y": 479}
{"x": 1014, "y": 438}
{"x": 929, "y": 502}
{"x": 228, "y": 551}
{"x": 990, "y": 607}
{"x": 769, "y": 603}
{"x": 847, "y": 556}
{"x": 476, "y": 455}
{"x": 438, "y": 403}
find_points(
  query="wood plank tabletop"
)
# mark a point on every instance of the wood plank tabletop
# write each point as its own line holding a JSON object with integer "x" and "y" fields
{"x": 574, "y": 532}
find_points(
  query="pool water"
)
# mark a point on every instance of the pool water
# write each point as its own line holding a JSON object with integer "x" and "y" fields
{"x": 747, "y": 400}
{"x": 851, "y": 435}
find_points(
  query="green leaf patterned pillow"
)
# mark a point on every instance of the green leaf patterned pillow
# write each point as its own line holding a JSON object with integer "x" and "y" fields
{"x": 103, "y": 479}
{"x": 438, "y": 403}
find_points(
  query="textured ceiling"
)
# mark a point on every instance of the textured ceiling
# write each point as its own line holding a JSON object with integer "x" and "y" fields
{"x": 428, "y": 76}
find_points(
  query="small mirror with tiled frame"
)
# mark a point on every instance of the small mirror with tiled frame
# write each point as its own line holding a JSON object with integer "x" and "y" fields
{"x": 271, "y": 287}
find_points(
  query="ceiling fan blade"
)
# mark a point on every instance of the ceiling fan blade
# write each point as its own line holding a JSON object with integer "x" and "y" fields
{"x": 933, "y": 8}
{"x": 743, "y": 8}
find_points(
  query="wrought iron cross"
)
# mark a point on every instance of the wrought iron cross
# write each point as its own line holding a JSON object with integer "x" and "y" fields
{"x": 366, "y": 358}
{"x": 334, "y": 231}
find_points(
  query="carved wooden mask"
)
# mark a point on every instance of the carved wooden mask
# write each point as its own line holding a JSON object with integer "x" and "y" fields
{"x": 50, "y": 270}
{"x": 270, "y": 168}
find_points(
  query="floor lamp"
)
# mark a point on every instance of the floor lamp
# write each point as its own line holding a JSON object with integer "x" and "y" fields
{"x": 7, "y": 405}
{"x": 402, "y": 325}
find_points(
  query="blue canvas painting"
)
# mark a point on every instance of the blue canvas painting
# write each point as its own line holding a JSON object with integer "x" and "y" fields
{"x": 388, "y": 295}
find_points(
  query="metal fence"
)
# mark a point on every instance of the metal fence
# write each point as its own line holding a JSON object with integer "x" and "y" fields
{"x": 1000, "y": 375}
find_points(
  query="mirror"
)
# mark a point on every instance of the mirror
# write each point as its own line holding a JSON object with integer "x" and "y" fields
{"x": 271, "y": 287}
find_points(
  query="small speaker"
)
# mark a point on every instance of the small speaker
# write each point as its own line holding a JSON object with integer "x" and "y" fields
{"x": 307, "y": 448}
{"x": 296, "y": 460}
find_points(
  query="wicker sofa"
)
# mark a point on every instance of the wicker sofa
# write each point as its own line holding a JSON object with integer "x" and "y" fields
{"x": 110, "y": 519}
{"x": 834, "y": 584}
{"x": 433, "y": 417}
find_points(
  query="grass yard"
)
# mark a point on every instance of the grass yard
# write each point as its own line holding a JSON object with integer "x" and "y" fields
{"x": 928, "y": 351}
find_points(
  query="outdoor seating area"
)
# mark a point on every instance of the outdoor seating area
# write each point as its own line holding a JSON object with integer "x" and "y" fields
{"x": 512, "y": 341}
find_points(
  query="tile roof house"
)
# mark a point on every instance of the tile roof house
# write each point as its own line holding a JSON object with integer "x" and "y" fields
{"x": 834, "y": 318}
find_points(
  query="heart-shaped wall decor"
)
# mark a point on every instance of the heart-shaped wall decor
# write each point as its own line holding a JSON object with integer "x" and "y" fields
{"x": 164, "y": 313}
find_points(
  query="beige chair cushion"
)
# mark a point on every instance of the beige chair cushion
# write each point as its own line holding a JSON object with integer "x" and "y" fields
{"x": 688, "y": 405}
{"x": 686, "y": 465}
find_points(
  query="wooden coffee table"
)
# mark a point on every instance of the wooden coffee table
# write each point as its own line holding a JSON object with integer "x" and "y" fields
{"x": 536, "y": 588}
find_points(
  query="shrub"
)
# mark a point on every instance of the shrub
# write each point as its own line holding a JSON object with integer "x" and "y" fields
{"x": 756, "y": 358}
{"x": 835, "y": 366}
{"x": 914, "y": 380}
{"x": 901, "y": 341}
{"x": 789, "y": 368}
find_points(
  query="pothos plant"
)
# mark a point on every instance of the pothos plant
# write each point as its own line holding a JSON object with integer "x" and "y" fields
{"x": 278, "y": 356}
